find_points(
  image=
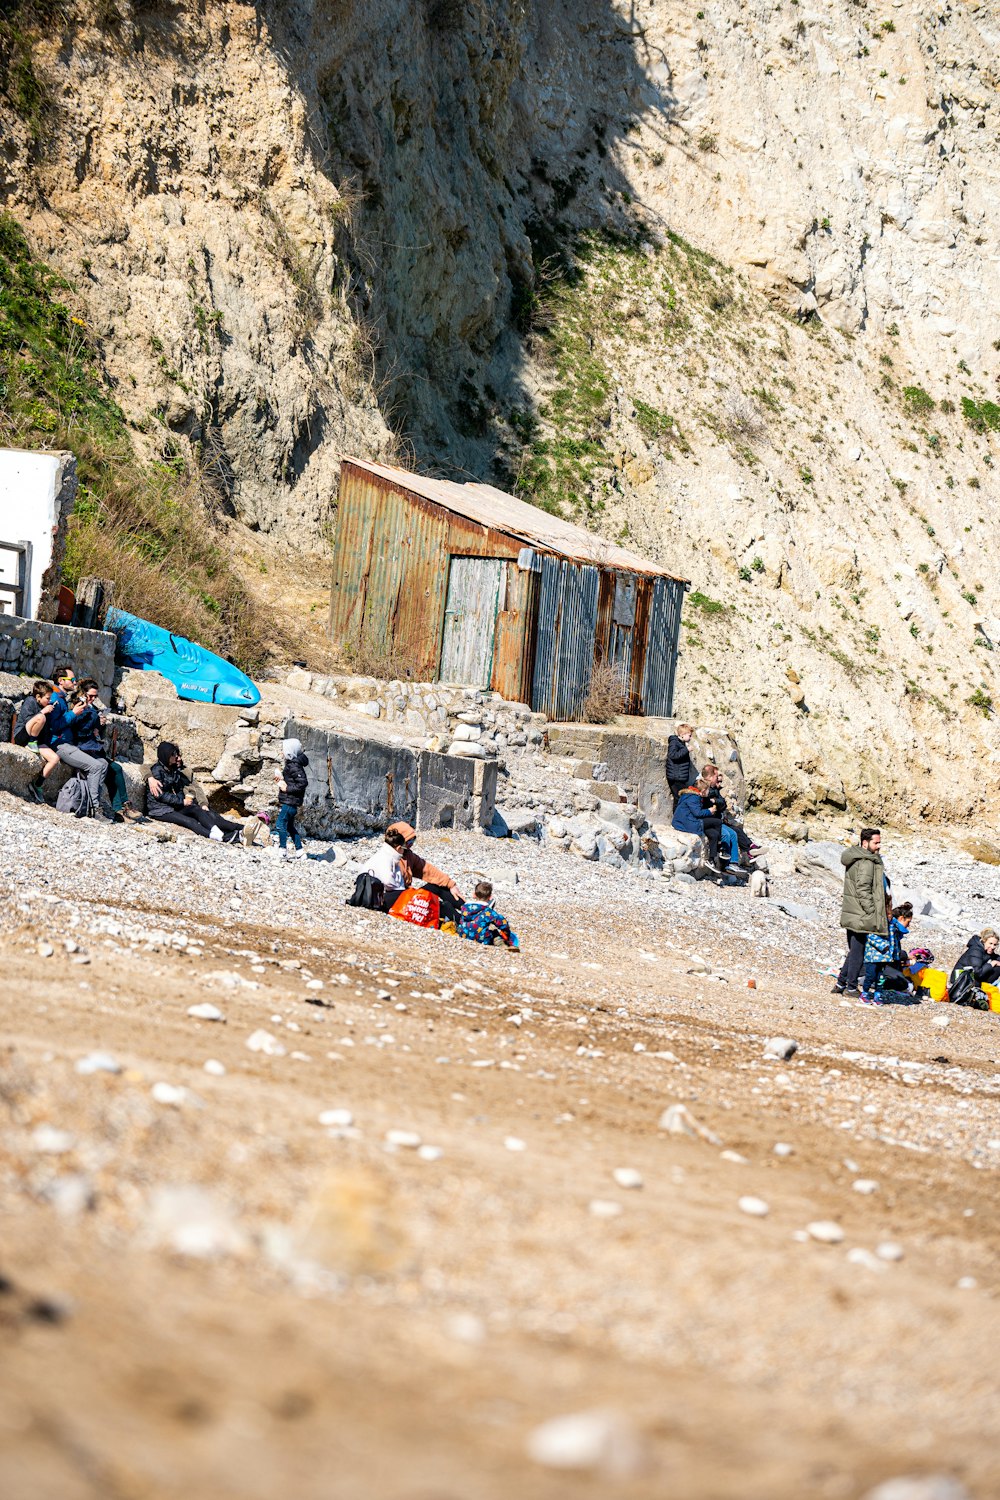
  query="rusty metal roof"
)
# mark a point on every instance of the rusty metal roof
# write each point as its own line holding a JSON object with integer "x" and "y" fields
{"x": 499, "y": 511}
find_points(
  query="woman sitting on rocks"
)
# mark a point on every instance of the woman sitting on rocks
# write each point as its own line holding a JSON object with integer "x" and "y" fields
{"x": 693, "y": 814}
{"x": 976, "y": 966}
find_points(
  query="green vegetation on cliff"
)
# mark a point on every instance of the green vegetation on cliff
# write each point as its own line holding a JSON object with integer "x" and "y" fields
{"x": 142, "y": 522}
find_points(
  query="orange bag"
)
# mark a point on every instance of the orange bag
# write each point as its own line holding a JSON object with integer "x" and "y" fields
{"x": 418, "y": 906}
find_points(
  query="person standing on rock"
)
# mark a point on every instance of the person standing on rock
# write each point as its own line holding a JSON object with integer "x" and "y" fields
{"x": 680, "y": 767}
{"x": 865, "y": 906}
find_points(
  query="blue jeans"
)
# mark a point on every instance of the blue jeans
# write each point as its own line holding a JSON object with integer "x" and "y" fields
{"x": 285, "y": 826}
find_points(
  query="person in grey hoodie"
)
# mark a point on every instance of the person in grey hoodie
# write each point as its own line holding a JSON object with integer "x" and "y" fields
{"x": 865, "y": 906}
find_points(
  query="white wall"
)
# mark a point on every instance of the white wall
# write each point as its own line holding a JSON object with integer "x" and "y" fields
{"x": 28, "y": 486}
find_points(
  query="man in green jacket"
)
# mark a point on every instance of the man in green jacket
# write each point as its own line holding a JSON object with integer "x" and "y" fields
{"x": 864, "y": 908}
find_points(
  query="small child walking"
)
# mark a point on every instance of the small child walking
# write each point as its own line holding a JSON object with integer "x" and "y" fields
{"x": 292, "y": 781}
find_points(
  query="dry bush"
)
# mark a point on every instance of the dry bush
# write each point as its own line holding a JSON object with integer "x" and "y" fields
{"x": 605, "y": 698}
{"x": 742, "y": 419}
{"x": 386, "y": 662}
{"x": 147, "y": 530}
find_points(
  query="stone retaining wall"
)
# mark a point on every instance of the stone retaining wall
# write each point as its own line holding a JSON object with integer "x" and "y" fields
{"x": 468, "y": 721}
{"x": 33, "y": 648}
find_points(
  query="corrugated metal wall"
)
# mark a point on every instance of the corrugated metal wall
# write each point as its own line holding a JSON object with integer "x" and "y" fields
{"x": 566, "y": 637}
{"x": 390, "y": 573}
{"x": 661, "y": 648}
{"x": 392, "y": 552}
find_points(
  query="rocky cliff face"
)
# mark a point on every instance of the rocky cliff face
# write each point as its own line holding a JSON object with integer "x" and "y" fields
{"x": 720, "y": 281}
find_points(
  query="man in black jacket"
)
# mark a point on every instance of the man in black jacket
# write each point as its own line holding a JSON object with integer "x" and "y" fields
{"x": 170, "y": 799}
{"x": 680, "y": 769}
{"x": 974, "y": 968}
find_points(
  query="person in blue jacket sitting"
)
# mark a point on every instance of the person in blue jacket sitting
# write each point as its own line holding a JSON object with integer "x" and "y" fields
{"x": 694, "y": 815}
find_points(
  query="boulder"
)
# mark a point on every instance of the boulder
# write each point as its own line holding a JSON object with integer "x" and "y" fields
{"x": 820, "y": 862}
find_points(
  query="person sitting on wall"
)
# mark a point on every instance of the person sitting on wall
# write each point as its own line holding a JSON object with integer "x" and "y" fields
{"x": 88, "y": 734}
{"x": 78, "y": 745}
{"x": 680, "y": 767}
{"x": 171, "y": 799}
{"x": 33, "y": 731}
{"x": 734, "y": 838}
{"x": 433, "y": 879}
{"x": 693, "y": 815}
{"x": 480, "y": 921}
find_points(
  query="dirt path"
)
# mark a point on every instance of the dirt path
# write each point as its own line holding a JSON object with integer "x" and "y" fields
{"x": 378, "y": 1324}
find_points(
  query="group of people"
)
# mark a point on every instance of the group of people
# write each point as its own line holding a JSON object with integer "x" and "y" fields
{"x": 388, "y": 883}
{"x": 700, "y": 807}
{"x": 877, "y": 968}
{"x": 64, "y": 721}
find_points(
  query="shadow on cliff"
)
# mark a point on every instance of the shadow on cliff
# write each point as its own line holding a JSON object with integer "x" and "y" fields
{"x": 478, "y": 150}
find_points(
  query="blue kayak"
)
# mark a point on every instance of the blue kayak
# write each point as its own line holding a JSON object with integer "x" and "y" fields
{"x": 196, "y": 673}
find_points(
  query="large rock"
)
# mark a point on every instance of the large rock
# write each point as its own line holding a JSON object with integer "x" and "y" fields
{"x": 820, "y": 862}
{"x": 633, "y": 751}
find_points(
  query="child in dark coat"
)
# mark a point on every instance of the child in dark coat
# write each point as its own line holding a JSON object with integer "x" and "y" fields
{"x": 680, "y": 769}
{"x": 292, "y": 781}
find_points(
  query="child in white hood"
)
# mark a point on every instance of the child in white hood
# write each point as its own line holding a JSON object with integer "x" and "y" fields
{"x": 292, "y": 782}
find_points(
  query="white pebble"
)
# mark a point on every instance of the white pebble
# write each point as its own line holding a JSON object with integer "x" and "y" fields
{"x": 865, "y": 1185}
{"x": 98, "y": 1062}
{"x": 50, "y": 1141}
{"x": 514, "y": 1143}
{"x": 263, "y": 1041}
{"x": 755, "y": 1207}
{"x": 604, "y": 1208}
{"x": 781, "y": 1047}
{"x": 966, "y": 1283}
{"x": 627, "y": 1177}
{"x": 314, "y": 984}
{"x": 206, "y": 1012}
{"x": 857, "y": 1256}
{"x": 214, "y": 1067}
{"x": 45, "y": 950}
{"x": 337, "y": 1117}
{"x": 466, "y": 1328}
{"x": 889, "y": 1250}
{"x": 594, "y": 1440}
{"x": 733, "y": 1156}
{"x": 406, "y": 1138}
{"x": 782, "y": 1148}
{"x": 168, "y": 1093}
{"x": 825, "y": 1231}
{"x": 919, "y": 1487}
{"x": 430, "y": 1153}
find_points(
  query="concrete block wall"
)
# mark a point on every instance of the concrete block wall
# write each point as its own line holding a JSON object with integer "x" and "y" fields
{"x": 34, "y": 648}
{"x": 361, "y": 785}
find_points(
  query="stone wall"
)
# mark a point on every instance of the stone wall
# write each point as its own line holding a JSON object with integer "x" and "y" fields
{"x": 469, "y": 721}
{"x": 358, "y": 781}
{"x": 34, "y": 648}
{"x": 633, "y": 752}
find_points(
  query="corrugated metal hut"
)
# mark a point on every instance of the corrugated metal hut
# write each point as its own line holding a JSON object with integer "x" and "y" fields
{"x": 470, "y": 585}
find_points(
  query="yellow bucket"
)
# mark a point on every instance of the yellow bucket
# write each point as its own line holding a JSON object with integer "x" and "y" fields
{"x": 935, "y": 981}
{"x": 993, "y": 995}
